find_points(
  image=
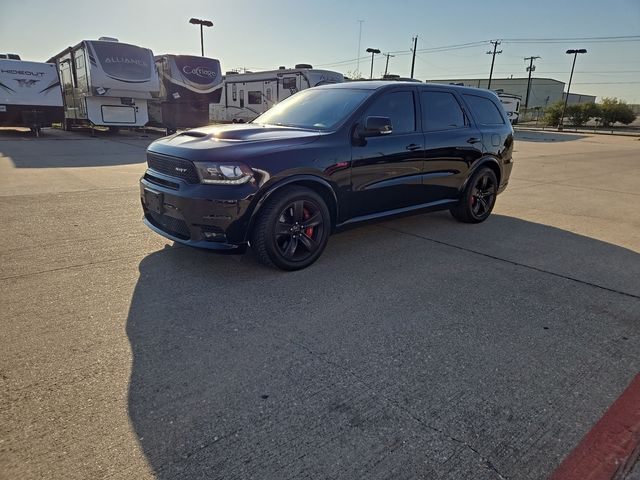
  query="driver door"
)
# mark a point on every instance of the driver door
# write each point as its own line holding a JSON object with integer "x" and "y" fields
{"x": 386, "y": 171}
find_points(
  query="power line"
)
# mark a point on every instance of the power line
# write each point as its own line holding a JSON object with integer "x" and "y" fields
{"x": 622, "y": 38}
{"x": 462, "y": 46}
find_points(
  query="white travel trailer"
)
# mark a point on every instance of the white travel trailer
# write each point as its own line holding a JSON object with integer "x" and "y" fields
{"x": 247, "y": 95}
{"x": 30, "y": 94}
{"x": 511, "y": 104}
{"x": 106, "y": 83}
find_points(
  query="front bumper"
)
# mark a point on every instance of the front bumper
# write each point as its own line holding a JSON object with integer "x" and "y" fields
{"x": 206, "y": 216}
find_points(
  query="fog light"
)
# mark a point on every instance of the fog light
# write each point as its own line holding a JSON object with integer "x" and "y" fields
{"x": 213, "y": 234}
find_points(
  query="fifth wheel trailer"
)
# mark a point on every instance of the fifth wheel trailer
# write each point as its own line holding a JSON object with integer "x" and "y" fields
{"x": 30, "y": 94}
{"x": 106, "y": 83}
{"x": 247, "y": 95}
{"x": 188, "y": 84}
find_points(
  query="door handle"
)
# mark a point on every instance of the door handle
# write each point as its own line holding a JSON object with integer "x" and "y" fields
{"x": 413, "y": 146}
{"x": 474, "y": 140}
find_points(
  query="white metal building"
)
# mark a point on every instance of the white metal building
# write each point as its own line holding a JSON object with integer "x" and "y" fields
{"x": 544, "y": 91}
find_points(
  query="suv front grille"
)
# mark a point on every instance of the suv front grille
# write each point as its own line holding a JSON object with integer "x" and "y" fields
{"x": 172, "y": 166}
{"x": 173, "y": 226}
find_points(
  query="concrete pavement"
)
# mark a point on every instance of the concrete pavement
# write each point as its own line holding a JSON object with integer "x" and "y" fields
{"x": 414, "y": 348}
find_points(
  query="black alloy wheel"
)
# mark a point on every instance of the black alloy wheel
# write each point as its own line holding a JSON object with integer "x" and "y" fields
{"x": 292, "y": 229}
{"x": 478, "y": 198}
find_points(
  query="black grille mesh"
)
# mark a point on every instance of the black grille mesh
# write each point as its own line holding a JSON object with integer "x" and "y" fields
{"x": 173, "y": 226}
{"x": 175, "y": 167}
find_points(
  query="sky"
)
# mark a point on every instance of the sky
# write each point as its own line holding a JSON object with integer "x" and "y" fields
{"x": 259, "y": 35}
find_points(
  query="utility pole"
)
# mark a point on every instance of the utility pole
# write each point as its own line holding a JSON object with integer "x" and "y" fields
{"x": 386, "y": 66}
{"x": 530, "y": 69}
{"x": 413, "y": 60}
{"x": 359, "y": 42}
{"x": 493, "y": 59}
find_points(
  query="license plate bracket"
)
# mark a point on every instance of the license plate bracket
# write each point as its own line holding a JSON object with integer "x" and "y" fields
{"x": 153, "y": 200}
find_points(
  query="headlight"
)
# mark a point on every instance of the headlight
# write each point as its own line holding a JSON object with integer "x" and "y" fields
{"x": 224, "y": 173}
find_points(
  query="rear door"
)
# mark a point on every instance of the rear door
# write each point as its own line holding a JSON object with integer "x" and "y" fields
{"x": 386, "y": 171}
{"x": 452, "y": 144}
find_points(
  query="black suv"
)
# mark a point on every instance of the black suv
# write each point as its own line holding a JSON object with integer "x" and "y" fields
{"x": 326, "y": 158}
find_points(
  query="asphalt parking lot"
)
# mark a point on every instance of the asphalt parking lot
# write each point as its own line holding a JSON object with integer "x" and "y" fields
{"x": 414, "y": 348}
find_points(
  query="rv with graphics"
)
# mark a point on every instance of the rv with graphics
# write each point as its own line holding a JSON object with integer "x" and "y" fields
{"x": 511, "y": 104}
{"x": 247, "y": 95}
{"x": 30, "y": 94}
{"x": 106, "y": 83}
{"x": 188, "y": 84}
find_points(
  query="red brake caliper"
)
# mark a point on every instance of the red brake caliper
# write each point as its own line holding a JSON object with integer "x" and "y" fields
{"x": 308, "y": 231}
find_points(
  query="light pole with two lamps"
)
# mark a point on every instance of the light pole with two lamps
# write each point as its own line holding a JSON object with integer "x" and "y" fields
{"x": 373, "y": 52}
{"x": 566, "y": 100}
{"x": 202, "y": 23}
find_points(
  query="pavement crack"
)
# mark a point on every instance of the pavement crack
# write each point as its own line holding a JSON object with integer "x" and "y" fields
{"x": 81, "y": 265}
{"x": 513, "y": 262}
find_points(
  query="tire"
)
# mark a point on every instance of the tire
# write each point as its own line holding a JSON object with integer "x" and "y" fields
{"x": 292, "y": 229}
{"x": 479, "y": 197}
{"x": 67, "y": 125}
{"x": 113, "y": 130}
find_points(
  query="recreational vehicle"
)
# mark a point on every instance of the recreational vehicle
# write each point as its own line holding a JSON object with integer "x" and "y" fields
{"x": 30, "y": 94}
{"x": 247, "y": 95}
{"x": 187, "y": 86}
{"x": 511, "y": 104}
{"x": 106, "y": 83}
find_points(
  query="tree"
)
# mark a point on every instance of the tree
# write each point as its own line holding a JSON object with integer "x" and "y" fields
{"x": 614, "y": 110}
{"x": 553, "y": 112}
{"x": 354, "y": 75}
{"x": 581, "y": 113}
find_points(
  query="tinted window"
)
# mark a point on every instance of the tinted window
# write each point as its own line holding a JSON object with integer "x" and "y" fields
{"x": 441, "y": 111}
{"x": 289, "y": 83}
{"x": 319, "y": 109}
{"x": 255, "y": 97}
{"x": 124, "y": 61}
{"x": 485, "y": 111}
{"x": 398, "y": 106}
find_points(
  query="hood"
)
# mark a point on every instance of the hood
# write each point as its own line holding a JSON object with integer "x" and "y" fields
{"x": 232, "y": 142}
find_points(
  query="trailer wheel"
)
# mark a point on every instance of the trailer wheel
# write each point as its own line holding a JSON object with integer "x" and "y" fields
{"x": 67, "y": 125}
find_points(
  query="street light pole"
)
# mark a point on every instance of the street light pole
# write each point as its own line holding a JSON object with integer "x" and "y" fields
{"x": 566, "y": 99}
{"x": 373, "y": 52}
{"x": 202, "y": 23}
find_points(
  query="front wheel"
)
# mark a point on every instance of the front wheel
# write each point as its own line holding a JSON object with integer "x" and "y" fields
{"x": 478, "y": 198}
{"x": 292, "y": 229}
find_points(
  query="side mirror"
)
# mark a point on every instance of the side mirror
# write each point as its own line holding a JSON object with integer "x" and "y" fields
{"x": 375, "y": 127}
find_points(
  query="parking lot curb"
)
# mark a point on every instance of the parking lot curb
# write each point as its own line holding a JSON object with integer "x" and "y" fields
{"x": 611, "y": 448}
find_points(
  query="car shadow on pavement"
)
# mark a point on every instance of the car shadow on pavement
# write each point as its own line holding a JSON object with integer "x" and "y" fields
{"x": 48, "y": 151}
{"x": 540, "y": 136}
{"x": 394, "y": 356}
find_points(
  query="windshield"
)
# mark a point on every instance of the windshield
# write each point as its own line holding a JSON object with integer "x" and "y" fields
{"x": 317, "y": 109}
{"x": 124, "y": 61}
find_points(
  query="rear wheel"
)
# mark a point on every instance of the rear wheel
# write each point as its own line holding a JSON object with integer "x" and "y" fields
{"x": 292, "y": 229}
{"x": 478, "y": 198}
